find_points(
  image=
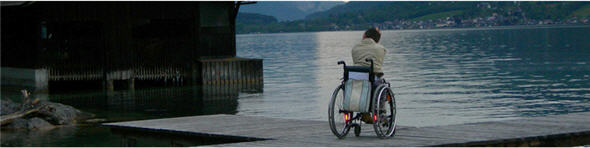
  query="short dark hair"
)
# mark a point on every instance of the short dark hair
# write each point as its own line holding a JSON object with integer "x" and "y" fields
{"x": 373, "y": 33}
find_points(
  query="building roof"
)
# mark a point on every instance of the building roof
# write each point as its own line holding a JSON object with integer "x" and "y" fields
{"x": 15, "y": 3}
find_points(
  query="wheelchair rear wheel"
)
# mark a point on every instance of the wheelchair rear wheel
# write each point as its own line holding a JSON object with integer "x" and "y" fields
{"x": 339, "y": 120}
{"x": 384, "y": 111}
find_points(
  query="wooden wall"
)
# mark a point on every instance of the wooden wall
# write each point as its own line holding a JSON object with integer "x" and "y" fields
{"x": 144, "y": 41}
{"x": 116, "y": 35}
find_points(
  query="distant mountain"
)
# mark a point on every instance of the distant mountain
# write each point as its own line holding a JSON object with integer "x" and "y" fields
{"x": 255, "y": 19}
{"x": 253, "y": 22}
{"x": 288, "y": 10}
{"x": 350, "y": 7}
{"x": 421, "y": 15}
{"x": 387, "y": 11}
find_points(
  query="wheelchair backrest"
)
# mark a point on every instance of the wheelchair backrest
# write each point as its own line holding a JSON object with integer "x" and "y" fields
{"x": 357, "y": 88}
{"x": 355, "y": 70}
{"x": 357, "y": 95}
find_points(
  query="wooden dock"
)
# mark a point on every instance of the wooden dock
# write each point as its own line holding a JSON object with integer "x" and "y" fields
{"x": 253, "y": 131}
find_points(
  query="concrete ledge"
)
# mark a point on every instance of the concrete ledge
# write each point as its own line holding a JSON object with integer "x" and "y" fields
{"x": 554, "y": 130}
{"x": 33, "y": 79}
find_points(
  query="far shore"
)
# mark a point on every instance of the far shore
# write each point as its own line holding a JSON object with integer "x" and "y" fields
{"x": 446, "y": 28}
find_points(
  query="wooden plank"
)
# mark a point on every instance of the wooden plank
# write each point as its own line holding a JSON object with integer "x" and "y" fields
{"x": 289, "y": 132}
{"x": 368, "y": 139}
{"x": 489, "y": 131}
{"x": 494, "y": 132}
{"x": 449, "y": 135}
{"x": 269, "y": 143}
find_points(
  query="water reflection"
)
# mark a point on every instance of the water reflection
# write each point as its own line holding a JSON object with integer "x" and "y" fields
{"x": 63, "y": 136}
{"x": 441, "y": 77}
{"x": 152, "y": 103}
{"x": 289, "y": 63}
{"x": 126, "y": 105}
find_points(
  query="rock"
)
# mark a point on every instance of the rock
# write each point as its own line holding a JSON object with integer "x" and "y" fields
{"x": 38, "y": 123}
{"x": 19, "y": 123}
{"x": 8, "y": 107}
{"x": 33, "y": 123}
{"x": 84, "y": 116}
{"x": 59, "y": 114}
{"x": 45, "y": 113}
{"x": 98, "y": 120}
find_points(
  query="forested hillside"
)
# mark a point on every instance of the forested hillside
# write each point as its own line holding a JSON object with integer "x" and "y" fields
{"x": 288, "y": 10}
{"x": 417, "y": 15}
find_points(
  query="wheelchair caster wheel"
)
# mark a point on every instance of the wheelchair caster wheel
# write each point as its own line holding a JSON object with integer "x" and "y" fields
{"x": 357, "y": 130}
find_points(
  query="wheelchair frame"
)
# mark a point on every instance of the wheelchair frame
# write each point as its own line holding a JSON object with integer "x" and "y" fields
{"x": 375, "y": 96}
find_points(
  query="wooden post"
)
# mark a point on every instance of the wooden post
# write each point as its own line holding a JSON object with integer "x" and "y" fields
{"x": 131, "y": 84}
{"x": 204, "y": 73}
{"x": 109, "y": 85}
{"x": 234, "y": 72}
{"x": 217, "y": 73}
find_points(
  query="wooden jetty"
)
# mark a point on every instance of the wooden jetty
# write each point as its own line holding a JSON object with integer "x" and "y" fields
{"x": 253, "y": 131}
{"x": 244, "y": 72}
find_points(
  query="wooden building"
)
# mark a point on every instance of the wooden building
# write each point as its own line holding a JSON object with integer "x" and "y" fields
{"x": 153, "y": 42}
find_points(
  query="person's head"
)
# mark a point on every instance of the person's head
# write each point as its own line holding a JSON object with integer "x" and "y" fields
{"x": 373, "y": 33}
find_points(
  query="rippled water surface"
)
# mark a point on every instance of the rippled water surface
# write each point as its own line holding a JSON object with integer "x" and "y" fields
{"x": 440, "y": 77}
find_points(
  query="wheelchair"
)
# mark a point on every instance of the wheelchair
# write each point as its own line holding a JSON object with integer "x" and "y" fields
{"x": 355, "y": 100}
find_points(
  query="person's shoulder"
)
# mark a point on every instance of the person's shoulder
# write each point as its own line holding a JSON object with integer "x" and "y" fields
{"x": 379, "y": 46}
{"x": 357, "y": 46}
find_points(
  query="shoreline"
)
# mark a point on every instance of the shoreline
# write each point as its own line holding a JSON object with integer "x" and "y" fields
{"x": 438, "y": 29}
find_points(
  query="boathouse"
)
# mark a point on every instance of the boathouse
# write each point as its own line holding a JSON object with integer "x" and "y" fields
{"x": 118, "y": 45}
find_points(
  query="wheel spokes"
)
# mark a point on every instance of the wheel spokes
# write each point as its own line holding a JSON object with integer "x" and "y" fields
{"x": 386, "y": 109}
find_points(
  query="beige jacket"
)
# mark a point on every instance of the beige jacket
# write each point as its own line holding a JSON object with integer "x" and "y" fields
{"x": 369, "y": 49}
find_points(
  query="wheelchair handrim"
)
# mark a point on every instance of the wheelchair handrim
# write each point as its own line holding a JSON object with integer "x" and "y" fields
{"x": 331, "y": 115}
{"x": 392, "y": 107}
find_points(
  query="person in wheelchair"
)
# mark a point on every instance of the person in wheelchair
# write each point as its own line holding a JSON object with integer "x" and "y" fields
{"x": 363, "y": 95}
{"x": 369, "y": 48}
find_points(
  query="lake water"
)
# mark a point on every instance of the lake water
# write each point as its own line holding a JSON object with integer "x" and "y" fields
{"x": 440, "y": 77}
